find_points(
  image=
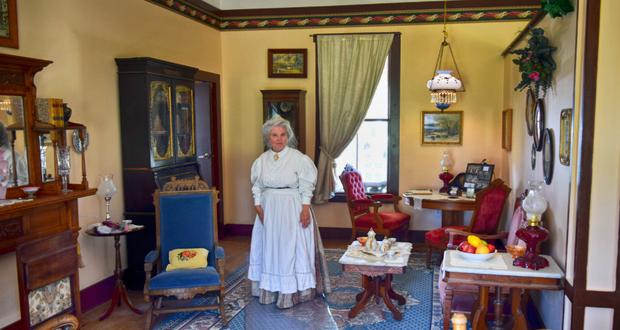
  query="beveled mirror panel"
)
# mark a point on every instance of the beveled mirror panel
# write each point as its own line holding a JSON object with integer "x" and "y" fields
{"x": 47, "y": 152}
{"x": 160, "y": 115}
{"x": 13, "y": 144}
{"x": 184, "y": 118}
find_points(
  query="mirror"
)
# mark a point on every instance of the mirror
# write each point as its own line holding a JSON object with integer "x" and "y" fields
{"x": 46, "y": 146}
{"x": 13, "y": 146}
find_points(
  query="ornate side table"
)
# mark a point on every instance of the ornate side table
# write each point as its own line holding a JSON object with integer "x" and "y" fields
{"x": 119, "y": 292}
{"x": 377, "y": 278}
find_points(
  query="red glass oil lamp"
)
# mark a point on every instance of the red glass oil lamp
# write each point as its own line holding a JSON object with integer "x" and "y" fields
{"x": 534, "y": 234}
{"x": 445, "y": 176}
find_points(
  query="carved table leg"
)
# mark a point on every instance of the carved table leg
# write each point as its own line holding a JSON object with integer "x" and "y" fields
{"x": 447, "y": 308}
{"x": 369, "y": 291}
{"x": 388, "y": 284}
{"x": 517, "y": 313}
{"x": 364, "y": 286}
{"x": 388, "y": 302}
{"x": 377, "y": 280}
{"x": 479, "y": 320}
{"x": 498, "y": 323}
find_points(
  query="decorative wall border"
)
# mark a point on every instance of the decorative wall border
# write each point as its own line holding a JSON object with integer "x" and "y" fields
{"x": 389, "y": 15}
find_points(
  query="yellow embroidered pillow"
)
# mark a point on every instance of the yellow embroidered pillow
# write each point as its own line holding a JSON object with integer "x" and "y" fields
{"x": 187, "y": 259}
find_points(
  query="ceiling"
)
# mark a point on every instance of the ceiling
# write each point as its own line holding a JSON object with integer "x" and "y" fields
{"x": 261, "y": 4}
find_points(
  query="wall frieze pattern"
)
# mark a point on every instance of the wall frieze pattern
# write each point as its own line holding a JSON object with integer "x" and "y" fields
{"x": 356, "y": 19}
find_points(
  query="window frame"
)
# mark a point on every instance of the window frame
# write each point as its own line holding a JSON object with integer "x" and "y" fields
{"x": 393, "y": 118}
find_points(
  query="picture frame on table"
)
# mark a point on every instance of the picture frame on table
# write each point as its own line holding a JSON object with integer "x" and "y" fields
{"x": 507, "y": 129}
{"x": 566, "y": 135}
{"x": 287, "y": 63}
{"x": 441, "y": 128}
{"x": 478, "y": 175}
{"x": 8, "y": 24}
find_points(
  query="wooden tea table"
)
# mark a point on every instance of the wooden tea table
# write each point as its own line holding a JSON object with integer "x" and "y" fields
{"x": 376, "y": 276}
{"x": 451, "y": 208}
{"x": 500, "y": 273}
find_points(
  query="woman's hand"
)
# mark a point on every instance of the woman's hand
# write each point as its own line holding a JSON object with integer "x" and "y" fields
{"x": 305, "y": 216}
{"x": 260, "y": 213}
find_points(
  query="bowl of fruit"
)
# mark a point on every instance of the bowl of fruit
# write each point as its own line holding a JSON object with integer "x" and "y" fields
{"x": 476, "y": 249}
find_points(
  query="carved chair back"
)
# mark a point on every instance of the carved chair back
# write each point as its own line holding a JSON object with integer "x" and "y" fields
{"x": 489, "y": 206}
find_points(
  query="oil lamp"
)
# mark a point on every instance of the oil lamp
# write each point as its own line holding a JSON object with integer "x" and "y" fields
{"x": 533, "y": 234}
{"x": 445, "y": 176}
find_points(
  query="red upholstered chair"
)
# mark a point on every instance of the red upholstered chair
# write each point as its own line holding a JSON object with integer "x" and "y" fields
{"x": 485, "y": 220}
{"x": 364, "y": 209}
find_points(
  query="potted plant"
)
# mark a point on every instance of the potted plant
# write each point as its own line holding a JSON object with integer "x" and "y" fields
{"x": 535, "y": 63}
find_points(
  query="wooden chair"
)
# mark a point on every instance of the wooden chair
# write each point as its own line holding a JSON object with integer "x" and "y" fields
{"x": 484, "y": 222}
{"x": 185, "y": 218}
{"x": 60, "y": 322}
{"x": 48, "y": 269}
{"x": 364, "y": 209}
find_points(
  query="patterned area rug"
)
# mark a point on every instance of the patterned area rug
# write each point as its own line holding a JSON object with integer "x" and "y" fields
{"x": 418, "y": 285}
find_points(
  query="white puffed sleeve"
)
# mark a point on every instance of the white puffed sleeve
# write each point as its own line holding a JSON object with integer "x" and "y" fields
{"x": 307, "y": 179}
{"x": 257, "y": 184}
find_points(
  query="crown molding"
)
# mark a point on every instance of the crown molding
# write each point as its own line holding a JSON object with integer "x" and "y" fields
{"x": 362, "y": 15}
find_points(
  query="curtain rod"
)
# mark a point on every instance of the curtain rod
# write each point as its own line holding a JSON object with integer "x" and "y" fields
{"x": 530, "y": 25}
{"x": 313, "y": 36}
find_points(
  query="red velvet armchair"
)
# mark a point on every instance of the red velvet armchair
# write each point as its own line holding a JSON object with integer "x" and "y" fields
{"x": 484, "y": 222}
{"x": 364, "y": 209}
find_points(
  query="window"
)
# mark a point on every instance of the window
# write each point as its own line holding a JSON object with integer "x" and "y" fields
{"x": 375, "y": 149}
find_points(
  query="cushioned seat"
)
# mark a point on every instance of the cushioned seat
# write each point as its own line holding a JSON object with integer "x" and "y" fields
{"x": 436, "y": 236}
{"x": 185, "y": 278}
{"x": 364, "y": 209}
{"x": 391, "y": 220}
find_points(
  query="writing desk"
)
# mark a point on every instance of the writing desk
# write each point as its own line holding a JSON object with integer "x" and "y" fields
{"x": 451, "y": 208}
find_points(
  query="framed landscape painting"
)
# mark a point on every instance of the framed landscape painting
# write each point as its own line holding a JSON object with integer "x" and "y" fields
{"x": 287, "y": 63}
{"x": 442, "y": 127}
{"x": 8, "y": 24}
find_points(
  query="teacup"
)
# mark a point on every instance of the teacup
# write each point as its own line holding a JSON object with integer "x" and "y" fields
{"x": 391, "y": 254}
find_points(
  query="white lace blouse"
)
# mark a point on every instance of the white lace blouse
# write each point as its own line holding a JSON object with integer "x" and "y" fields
{"x": 287, "y": 169}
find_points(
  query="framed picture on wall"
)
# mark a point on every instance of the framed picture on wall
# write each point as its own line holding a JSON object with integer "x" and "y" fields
{"x": 442, "y": 127}
{"x": 507, "y": 129}
{"x": 8, "y": 24}
{"x": 289, "y": 104}
{"x": 566, "y": 134}
{"x": 287, "y": 63}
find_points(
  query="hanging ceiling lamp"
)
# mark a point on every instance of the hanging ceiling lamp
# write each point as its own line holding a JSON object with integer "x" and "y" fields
{"x": 443, "y": 86}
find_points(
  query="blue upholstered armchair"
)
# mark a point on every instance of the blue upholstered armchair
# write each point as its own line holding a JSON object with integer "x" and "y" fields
{"x": 184, "y": 220}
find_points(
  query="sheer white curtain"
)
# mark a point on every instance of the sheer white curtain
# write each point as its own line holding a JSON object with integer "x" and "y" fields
{"x": 349, "y": 68}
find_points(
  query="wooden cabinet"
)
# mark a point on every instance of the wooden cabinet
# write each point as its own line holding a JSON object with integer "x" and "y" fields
{"x": 289, "y": 104}
{"x": 25, "y": 161}
{"x": 158, "y": 142}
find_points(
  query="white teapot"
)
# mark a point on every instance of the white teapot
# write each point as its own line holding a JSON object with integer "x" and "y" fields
{"x": 371, "y": 242}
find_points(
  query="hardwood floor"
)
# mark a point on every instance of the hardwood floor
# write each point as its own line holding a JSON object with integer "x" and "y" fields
{"x": 237, "y": 251}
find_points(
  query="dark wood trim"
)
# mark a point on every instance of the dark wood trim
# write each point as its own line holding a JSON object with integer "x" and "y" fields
{"x": 584, "y": 180}
{"x": 233, "y": 229}
{"x": 314, "y": 35}
{"x": 569, "y": 291}
{"x": 216, "y": 142}
{"x": 532, "y": 24}
{"x": 377, "y": 8}
{"x": 14, "y": 326}
{"x": 97, "y": 293}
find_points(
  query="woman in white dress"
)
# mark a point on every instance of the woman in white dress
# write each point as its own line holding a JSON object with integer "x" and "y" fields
{"x": 287, "y": 263}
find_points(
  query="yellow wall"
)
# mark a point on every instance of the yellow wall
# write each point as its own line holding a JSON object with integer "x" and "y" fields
{"x": 476, "y": 47}
{"x": 83, "y": 38}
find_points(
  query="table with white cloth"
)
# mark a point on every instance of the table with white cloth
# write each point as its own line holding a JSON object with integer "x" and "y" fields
{"x": 377, "y": 274}
{"x": 452, "y": 208}
{"x": 500, "y": 273}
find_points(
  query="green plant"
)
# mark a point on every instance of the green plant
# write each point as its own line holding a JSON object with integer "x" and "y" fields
{"x": 557, "y": 8}
{"x": 535, "y": 63}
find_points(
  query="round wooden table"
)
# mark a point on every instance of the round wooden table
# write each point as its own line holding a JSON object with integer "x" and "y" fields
{"x": 119, "y": 288}
{"x": 451, "y": 208}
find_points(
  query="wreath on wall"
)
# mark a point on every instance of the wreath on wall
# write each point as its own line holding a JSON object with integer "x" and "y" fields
{"x": 535, "y": 63}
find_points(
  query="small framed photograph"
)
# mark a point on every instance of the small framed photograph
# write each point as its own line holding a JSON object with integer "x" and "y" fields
{"x": 442, "y": 127}
{"x": 566, "y": 134}
{"x": 507, "y": 129}
{"x": 8, "y": 24}
{"x": 287, "y": 63}
{"x": 478, "y": 175}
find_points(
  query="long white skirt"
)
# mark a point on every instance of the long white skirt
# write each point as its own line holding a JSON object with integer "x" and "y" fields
{"x": 282, "y": 252}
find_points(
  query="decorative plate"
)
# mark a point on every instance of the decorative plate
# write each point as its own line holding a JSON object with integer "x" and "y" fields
{"x": 533, "y": 156}
{"x": 539, "y": 123}
{"x": 530, "y": 107}
{"x": 547, "y": 155}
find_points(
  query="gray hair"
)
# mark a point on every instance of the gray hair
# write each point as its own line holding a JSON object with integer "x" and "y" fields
{"x": 277, "y": 121}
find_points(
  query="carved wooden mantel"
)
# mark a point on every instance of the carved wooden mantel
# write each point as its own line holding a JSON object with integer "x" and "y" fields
{"x": 40, "y": 217}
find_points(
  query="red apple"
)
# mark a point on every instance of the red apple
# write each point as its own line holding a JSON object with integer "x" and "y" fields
{"x": 463, "y": 246}
{"x": 491, "y": 247}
